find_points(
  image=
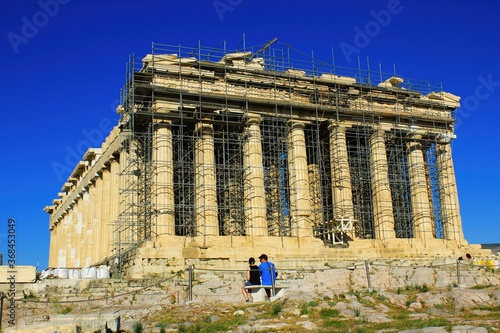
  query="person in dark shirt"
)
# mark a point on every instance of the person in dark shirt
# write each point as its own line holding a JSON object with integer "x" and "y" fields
{"x": 253, "y": 278}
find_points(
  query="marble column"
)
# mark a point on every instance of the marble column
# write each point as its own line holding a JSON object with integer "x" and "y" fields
{"x": 63, "y": 257}
{"x": 163, "y": 162}
{"x": 381, "y": 189}
{"x": 343, "y": 207}
{"x": 300, "y": 198}
{"x": 255, "y": 201}
{"x": 74, "y": 241}
{"x": 133, "y": 189}
{"x": 114, "y": 202}
{"x": 205, "y": 174}
{"x": 420, "y": 205}
{"x": 122, "y": 228}
{"x": 92, "y": 224}
{"x": 54, "y": 245}
{"x": 101, "y": 237}
{"x": 76, "y": 234}
{"x": 316, "y": 196}
{"x": 448, "y": 194}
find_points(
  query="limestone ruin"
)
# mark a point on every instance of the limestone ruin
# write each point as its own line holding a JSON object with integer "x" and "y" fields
{"x": 222, "y": 155}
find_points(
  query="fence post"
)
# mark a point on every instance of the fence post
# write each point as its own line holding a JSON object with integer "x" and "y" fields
{"x": 190, "y": 277}
{"x": 368, "y": 275}
{"x": 458, "y": 272}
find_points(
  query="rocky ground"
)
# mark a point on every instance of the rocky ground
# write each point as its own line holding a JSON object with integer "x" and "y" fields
{"x": 411, "y": 309}
{"x": 392, "y": 296}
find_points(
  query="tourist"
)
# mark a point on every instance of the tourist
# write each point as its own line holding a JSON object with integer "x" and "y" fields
{"x": 253, "y": 278}
{"x": 268, "y": 273}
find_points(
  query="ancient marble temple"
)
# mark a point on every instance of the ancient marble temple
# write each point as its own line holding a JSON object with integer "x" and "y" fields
{"x": 224, "y": 155}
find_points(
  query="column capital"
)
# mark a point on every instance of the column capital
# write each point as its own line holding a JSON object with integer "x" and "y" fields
{"x": 297, "y": 123}
{"x": 443, "y": 148}
{"x": 415, "y": 137}
{"x": 414, "y": 145}
{"x": 162, "y": 123}
{"x": 382, "y": 127}
{"x": 379, "y": 131}
{"x": 165, "y": 107}
{"x": 204, "y": 128}
{"x": 252, "y": 118}
{"x": 340, "y": 125}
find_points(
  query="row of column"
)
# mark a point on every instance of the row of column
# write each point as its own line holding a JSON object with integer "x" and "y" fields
{"x": 381, "y": 191}
{"x": 206, "y": 209}
{"x": 300, "y": 183}
{"x": 84, "y": 235}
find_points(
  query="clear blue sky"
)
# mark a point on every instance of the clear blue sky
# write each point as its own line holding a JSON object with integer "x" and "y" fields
{"x": 63, "y": 64}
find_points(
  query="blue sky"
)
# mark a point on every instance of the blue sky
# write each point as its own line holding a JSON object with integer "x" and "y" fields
{"x": 63, "y": 64}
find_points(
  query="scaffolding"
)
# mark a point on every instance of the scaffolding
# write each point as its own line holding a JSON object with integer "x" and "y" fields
{"x": 223, "y": 88}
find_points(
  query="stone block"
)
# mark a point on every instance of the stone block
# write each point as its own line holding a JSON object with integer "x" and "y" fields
{"x": 18, "y": 274}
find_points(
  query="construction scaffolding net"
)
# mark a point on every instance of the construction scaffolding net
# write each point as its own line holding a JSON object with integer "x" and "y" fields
{"x": 222, "y": 89}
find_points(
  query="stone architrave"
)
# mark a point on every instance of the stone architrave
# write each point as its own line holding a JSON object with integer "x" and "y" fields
{"x": 164, "y": 179}
{"x": 206, "y": 191}
{"x": 300, "y": 198}
{"x": 448, "y": 194}
{"x": 420, "y": 205}
{"x": 341, "y": 175}
{"x": 381, "y": 189}
{"x": 255, "y": 201}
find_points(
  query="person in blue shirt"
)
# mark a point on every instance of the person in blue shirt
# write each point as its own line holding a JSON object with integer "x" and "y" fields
{"x": 268, "y": 273}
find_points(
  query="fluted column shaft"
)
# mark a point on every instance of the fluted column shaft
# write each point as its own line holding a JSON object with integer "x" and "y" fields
{"x": 121, "y": 230}
{"x": 421, "y": 214}
{"x": 341, "y": 175}
{"x": 80, "y": 215}
{"x": 92, "y": 232}
{"x": 448, "y": 194}
{"x": 114, "y": 202}
{"x": 316, "y": 197}
{"x": 300, "y": 199}
{"x": 381, "y": 188}
{"x": 75, "y": 237}
{"x": 101, "y": 236}
{"x": 54, "y": 245}
{"x": 206, "y": 191}
{"x": 64, "y": 256}
{"x": 255, "y": 202}
{"x": 164, "y": 179}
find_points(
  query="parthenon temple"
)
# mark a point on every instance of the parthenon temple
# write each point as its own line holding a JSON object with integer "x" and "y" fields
{"x": 225, "y": 154}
